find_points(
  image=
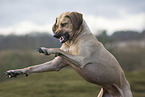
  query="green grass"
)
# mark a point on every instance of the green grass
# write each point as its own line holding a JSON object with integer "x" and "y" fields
{"x": 65, "y": 83}
{"x": 137, "y": 82}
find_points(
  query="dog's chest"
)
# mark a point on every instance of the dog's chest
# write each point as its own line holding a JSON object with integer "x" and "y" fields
{"x": 74, "y": 50}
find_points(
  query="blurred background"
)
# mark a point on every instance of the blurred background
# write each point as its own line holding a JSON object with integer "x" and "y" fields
{"x": 25, "y": 25}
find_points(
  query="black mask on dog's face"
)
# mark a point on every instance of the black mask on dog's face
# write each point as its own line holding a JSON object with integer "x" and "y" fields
{"x": 62, "y": 37}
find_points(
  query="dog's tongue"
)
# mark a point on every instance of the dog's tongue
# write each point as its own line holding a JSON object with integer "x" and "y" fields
{"x": 61, "y": 39}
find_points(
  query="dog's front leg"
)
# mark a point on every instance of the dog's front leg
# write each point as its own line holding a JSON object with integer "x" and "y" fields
{"x": 54, "y": 65}
{"x": 73, "y": 59}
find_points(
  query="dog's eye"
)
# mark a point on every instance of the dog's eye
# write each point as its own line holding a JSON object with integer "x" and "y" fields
{"x": 63, "y": 24}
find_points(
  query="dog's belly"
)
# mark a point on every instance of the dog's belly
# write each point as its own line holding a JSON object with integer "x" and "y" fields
{"x": 93, "y": 74}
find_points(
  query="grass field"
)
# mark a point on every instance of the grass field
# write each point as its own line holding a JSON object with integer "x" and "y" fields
{"x": 65, "y": 83}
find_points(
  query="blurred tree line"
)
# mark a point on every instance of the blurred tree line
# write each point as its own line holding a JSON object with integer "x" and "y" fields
{"x": 20, "y": 51}
{"x": 127, "y": 46}
{"x": 29, "y": 41}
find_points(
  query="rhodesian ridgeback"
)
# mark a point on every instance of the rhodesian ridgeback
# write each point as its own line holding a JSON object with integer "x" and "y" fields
{"x": 85, "y": 54}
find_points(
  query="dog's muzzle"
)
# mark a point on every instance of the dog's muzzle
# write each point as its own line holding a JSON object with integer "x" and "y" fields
{"x": 62, "y": 37}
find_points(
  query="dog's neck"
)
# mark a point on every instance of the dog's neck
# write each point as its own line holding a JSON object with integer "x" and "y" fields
{"x": 83, "y": 30}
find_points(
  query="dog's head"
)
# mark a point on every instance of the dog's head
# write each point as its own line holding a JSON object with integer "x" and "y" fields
{"x": 66, "y": 25}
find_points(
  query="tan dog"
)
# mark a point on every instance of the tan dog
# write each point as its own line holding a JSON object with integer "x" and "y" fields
{"x": 85, "y": 54}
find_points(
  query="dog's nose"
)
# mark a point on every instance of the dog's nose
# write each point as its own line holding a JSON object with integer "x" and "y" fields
{"x": 57, "y": 35}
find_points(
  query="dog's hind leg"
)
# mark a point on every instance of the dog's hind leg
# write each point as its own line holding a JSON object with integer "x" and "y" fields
{"x": 100, "y": 93}
{"x": 104, "y": 93}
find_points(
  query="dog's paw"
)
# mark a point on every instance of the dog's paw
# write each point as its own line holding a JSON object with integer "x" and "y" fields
{"x": 43, "y": 50}
{"x": 13, "y": 73}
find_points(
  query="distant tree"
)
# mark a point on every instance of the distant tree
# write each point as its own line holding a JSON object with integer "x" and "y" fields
{"x": 126, "y": 35}
{"x": 104, "y": 38}
{"x": 143, "y": 34}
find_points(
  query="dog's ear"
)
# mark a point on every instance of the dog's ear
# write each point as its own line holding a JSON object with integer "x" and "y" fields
{"x": 54, "y": 26}
{"x": 76, "y": 19}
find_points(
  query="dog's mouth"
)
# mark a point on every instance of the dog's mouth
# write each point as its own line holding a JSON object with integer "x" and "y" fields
{"x": 62, "y": 37}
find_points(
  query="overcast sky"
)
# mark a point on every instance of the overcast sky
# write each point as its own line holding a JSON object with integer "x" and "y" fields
{"x": 25, "y": 16}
